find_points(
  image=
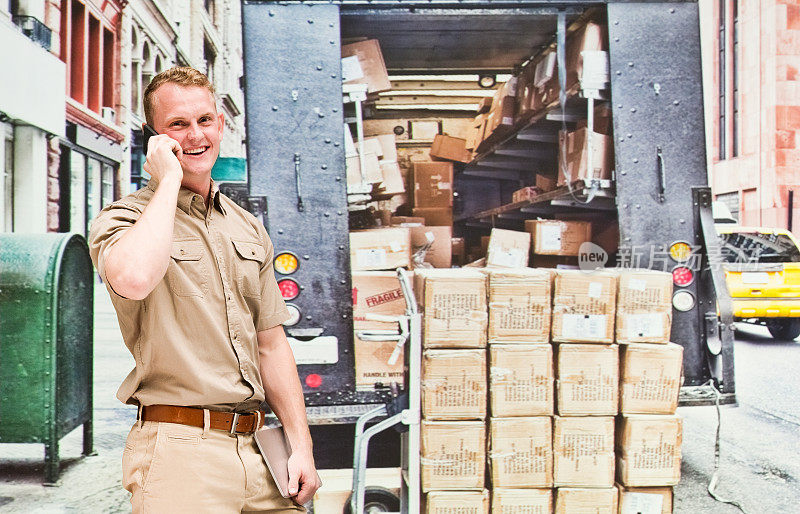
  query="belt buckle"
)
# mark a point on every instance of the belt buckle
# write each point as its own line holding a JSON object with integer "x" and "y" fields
{"x": 234, "y": 423}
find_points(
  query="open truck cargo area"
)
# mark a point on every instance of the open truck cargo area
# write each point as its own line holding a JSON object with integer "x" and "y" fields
{"x": 643, "y": 187}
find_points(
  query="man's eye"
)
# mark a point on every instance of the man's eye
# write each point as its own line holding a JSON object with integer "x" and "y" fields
{"x": 205, "y": 119}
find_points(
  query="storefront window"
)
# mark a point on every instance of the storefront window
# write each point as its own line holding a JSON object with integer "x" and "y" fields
{"x": 77, "y": 192}
{"x": 8, "y": 180}
{"x": 94, "y": 201}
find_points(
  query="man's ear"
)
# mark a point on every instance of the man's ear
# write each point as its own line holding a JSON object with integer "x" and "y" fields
{"x": 221, "y": 123}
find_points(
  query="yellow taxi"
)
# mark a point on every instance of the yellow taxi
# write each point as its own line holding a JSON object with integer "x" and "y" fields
{"x": 762, "y": 270}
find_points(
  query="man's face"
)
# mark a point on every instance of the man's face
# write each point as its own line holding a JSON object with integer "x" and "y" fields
{"x": 189, "y": 116}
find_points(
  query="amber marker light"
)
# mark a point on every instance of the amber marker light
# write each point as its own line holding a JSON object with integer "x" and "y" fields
{"x": 286, "y": 263}
{"x": 680, "y": 251}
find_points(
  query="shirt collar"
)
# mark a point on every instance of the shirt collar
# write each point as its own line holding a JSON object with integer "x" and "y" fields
{"x": 186, "y": 197}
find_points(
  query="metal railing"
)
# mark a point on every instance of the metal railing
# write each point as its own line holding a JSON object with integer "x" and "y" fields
{"x": 34, "y": 29}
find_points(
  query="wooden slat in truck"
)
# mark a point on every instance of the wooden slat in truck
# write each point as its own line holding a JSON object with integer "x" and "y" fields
{"x": 656, "y": 196}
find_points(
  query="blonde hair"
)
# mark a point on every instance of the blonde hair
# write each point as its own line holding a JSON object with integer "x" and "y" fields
{"x": 181, "y": 75}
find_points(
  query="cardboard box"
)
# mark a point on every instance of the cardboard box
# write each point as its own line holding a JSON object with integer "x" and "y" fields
{"x": 458, "y": 251}
{"x": 519, "y": 305}
{"x": 433, "y": 184}
{"x": 372, "y": 366}
{"x": 380, "y": 249}
{"x": 453, "y": 302}
{"x": 649, "y": 450}
{"x": 450, "y": 149}
{"x": 553, "y": 262}
{"x": 521, "y": 452}
{"x": 337, "y": 486}
{"x": 650, "y": 378}
{"x": 584, "y": 305}
{"x": 377, "y": 292}
{"x": 571, "y": 500}
{"x": 424, "y": 130}
{"x": 583, "y": 451}
{"x": 485, "y": 104}
{"x": 546, "y": 182}
{"x": 500, "y": 119}
{"x": 644, "y": 306}
{"x": 606, "y": 236}
{"x": 520, "y": 380}
{"x": 592, "y": 36}
{"x": 522, "y": 501}
{"x": 508, "y": 248}
{"x": 557, "y": 237}
{"x": 602, "y": 120}
{"x": 573, "y": 151}
{"x": 485, "y": 245}
{"x": 453, "y": 455}
{"x": 362, "y": 63}
{"x": 440, "y": 252}
{"x": 372, "y": 165}
{"x": 454, "y": 384}
{"x": 475, "y": 133}
{"x": 457, "y": 502}
{"x": 587, "y": 379}
{"x": 406, "y": 221}
{"x": 388, "y": 146}
{"x": 644, "y": 500}
{"x": 393, "y": 183}
{"x": 526, "y": 194}
{"x": 434, "y": 216}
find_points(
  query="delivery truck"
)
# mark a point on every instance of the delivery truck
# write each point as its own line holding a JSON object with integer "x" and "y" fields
{"x": 630, "y": 83}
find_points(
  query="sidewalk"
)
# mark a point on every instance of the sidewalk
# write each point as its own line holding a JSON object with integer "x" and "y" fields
{"x": 86, "y": 484}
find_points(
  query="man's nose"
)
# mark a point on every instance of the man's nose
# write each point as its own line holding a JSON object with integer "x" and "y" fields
{"x": 194, "y": 131}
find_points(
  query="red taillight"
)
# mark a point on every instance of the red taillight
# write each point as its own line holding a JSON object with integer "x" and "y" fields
{"x": 289, "y": 288}
{"x": 682, "y": 276}
{"x": 313, "y": 380}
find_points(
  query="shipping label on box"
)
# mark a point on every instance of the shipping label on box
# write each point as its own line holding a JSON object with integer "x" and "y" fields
{"x": 453, "y": 454}
{"x": 457, "y": 502}
{"x": 571, "y": 500}
{"x": 521, "y": 452}
{"x": 556, "y": 237}
{"x": 522, "y": 501}
{"x": 439, "y": 243}
{"x": 362, "y": 63}
{"x": 508, "y": 248}
{"x": 454, "y": 384}
{"x": 433, "y": 184}
{"x": 644, "y": 306}
{"x": 372, "y": 358}
{"x": 584, "y": 305}
{"x": 519, "y": 305}
{"x": 649, "y": 450}
{"x": 453, "y": 302}
{"x": 380, "y": 249}
{"x": 645, "y": 500}
{"x": 583, "y": 451}
{"x": 521, "y": 379}
{"x": 650, "y": 378}
{"x": 587, "y": 379}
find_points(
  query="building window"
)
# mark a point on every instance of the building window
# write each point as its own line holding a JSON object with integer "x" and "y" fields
{"x": 89, "y": 186}
{"x": 88, "y": 48}
{"x": 735, "y": 85}
{"x": 722, "y": 105}
{"x": 729, "y": 102}
{"x": 7, "y": 135}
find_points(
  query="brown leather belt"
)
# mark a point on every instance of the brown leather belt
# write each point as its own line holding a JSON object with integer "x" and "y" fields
{"x": 231, "y": 422}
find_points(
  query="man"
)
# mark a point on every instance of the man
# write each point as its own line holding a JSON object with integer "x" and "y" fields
{"x": 190, "y": 276}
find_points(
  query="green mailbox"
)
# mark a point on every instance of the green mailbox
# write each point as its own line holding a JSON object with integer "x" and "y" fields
{"x": 46, "y": 341}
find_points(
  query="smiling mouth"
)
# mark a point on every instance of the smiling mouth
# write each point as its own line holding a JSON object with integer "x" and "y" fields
{"x": 196, "y": 151}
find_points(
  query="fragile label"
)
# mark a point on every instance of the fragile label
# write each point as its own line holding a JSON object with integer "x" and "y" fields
{"x": 550, "y": 238}
{"x": 583, "y": 326}
{"x": 371, "y": 257}
{"x": 642, "y": 503}
{"x": 595, "y": 289}
{"x": 351, "y": 68}
{"x": 648, "y": 325}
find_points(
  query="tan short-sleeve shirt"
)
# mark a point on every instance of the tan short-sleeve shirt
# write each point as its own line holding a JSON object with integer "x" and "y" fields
{"x": 194, "y": 336}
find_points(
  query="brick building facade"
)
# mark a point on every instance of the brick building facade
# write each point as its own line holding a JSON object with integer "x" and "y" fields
{"x": 751, "y": 68}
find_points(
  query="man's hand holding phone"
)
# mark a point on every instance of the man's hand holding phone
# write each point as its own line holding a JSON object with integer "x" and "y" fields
{"x": 163, "y": 156}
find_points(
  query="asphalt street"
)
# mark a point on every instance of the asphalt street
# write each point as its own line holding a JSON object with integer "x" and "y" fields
{"x": 759, "y": 466}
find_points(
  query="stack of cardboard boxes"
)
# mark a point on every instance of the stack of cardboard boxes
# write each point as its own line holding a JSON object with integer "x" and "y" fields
{"x": 582, "y": 389}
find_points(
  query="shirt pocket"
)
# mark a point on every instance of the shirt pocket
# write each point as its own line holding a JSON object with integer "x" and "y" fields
{"x": 187, "y": 273}
{"x": 251, "y": 255}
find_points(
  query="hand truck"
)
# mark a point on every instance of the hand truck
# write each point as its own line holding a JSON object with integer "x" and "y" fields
{"x": 402, "y": 412}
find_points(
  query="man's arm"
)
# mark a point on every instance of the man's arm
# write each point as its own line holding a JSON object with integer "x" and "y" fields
{"x": 136, "y": 263}
{"x": 285, "y": 396}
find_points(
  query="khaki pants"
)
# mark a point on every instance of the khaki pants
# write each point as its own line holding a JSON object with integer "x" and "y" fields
{"x": 170, "y": 468}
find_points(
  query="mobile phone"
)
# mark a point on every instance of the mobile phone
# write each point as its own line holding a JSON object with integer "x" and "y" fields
{"x": 147, "y": 133}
